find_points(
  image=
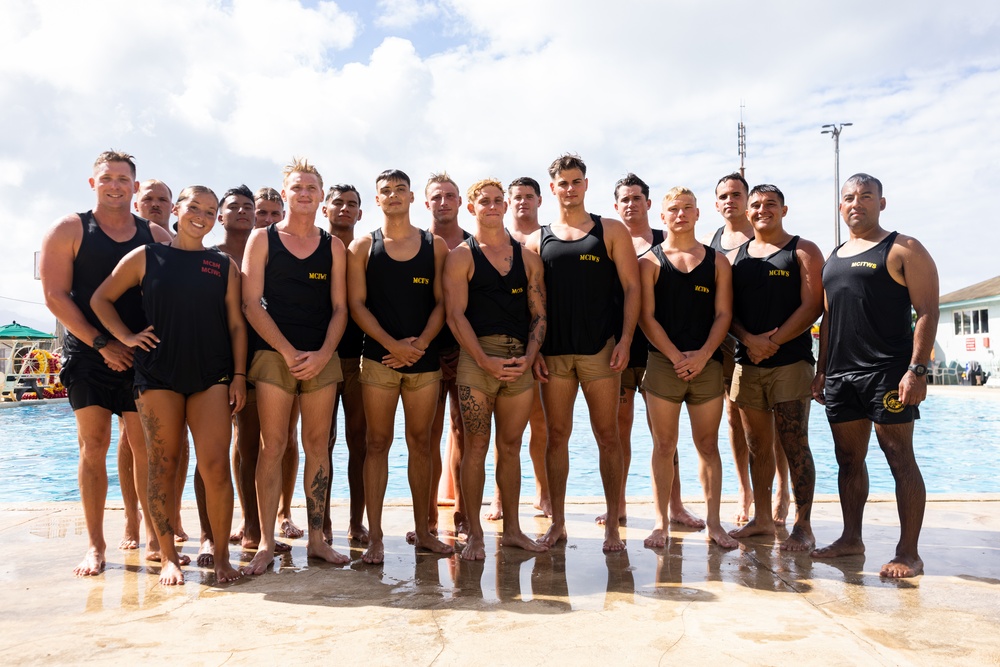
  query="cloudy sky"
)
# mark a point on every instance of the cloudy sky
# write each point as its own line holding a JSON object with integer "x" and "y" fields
{"x": 223, "y": 93}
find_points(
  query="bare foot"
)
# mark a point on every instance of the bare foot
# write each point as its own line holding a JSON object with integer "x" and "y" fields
{"x": 474, "y": 549}
{"x": 781, "y": 508}
{"x": 432, "y": 543}
{"x": 247, "y": 544}
{"x": 358, "y": 533}
{"x": 375, "y": 553}
{"x": 180, "y": 535}
{"x": 290, "y": 530}
{"x": 411, "y": 535}
{"x": 262, "y": 560}
{"x": 156, "y": 557}
{"x": 801, "y": 539}
{"x": 554, "y": 535}
{"x": 603, "y": 519}
{"x": 282, "y": 547}
{"x": 237, "y": 535}
{"x": 128, "y": 543}
{"x": 754, "y": 527}
{"x": 461, "y": 524}
{"x": 744, "y": 501}
{"x": 656, "y": 539}
{"x": 840, "y": 547}
{"x": 92, "y": 564}
{"x": 902, "y": 568}
{"x": 225, "y": 573}
{"x": 722, "y": 538}
{"x": 206, "y": 555}
{"x": 543, "y": 505}
{"x": 171, "y": 574}
{"x": 685, "y": 518}
{"x": 322, "y": 550}
{"x": 495, "y": 512}
{"x": 612, "y": 540}
{"x": 521, "y": 541}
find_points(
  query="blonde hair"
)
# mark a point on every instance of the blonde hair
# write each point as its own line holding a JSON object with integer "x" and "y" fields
{"x": 194, "y": 190}
{"x": 116, "y": 156}
{"x": 443, "y": 177}
{"x": 476, "y": 188}
{"x": 679, "y": 191}
{"x": 300, "y": 165}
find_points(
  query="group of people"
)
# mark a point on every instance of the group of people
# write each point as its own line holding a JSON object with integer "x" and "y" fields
{"x": 284, "y": 321}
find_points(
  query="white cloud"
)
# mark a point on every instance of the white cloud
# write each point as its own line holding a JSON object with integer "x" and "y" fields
{"x": 404, "y": 14}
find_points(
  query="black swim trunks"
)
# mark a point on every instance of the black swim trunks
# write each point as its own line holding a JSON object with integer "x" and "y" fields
{"x": 873, "y": 396}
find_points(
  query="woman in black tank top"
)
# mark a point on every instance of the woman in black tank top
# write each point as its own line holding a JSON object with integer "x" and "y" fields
{"x": 190, "y": 367}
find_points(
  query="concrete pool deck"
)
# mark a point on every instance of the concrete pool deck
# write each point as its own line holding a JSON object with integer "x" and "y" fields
{"x": 685, "y": 603}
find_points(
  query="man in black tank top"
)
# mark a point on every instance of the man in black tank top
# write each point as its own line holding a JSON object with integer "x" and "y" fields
{"x": 78, "y": 253}
{"x": 872, "y": 366}
{"x": 401, "y": 293}
{"x": 632, "y": 204}
{"x": 342, "y": 209}
{"x": 444, "y": 201}
{"x": 495, "y": 301}
{"x": 302, "y": 271}
{"x": 777, "y": 295}
{"x": 584, "y": 255}
{"x": 731, "y": 193}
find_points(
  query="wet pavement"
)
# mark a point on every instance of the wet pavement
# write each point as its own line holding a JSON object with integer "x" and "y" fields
{"x": 684, "y": 603}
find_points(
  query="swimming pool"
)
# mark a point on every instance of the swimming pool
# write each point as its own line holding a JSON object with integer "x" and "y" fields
{"x": 957, "y": 446}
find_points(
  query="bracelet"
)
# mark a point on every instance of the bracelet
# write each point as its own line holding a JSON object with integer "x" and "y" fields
{"x": 243, "y": 374}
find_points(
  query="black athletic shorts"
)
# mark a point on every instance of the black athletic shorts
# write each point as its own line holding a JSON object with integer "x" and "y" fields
{"x": 89, "y": 383}
{"x": 872, "y": 396}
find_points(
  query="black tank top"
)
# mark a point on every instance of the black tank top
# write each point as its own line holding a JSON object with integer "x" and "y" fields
{"x": 184, "y": 298}
{"x": 685, "y": 302}
{"x": 639, "y": 352}
{"x": 580, "y": 281}
{"x": 766, "y": 291}
{"x": 352, "y": 342}
{"x": 297, "y": 292}
{"x": 498, "y": 304}
{"x": 97, "y": 256}
{"x": 716, "y": 243}
{"x": 869, "y": 323}
{"x": 401, "y": 297}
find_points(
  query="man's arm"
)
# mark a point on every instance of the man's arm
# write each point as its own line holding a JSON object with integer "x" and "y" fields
{"x": 909, "y": 260}
{"x": 59, "y": 248}
{"x": 436, "y": 319}
{"x": 622, "y": 253}
{"x": 819, "y": 382}
{"x": 536, "y": 305}
{"x": 810, "y": 261}
{"x": 160, "y": 235}
{"x": 237, "y": 338}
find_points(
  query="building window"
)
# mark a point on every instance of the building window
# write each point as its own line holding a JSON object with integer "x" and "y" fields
{"x": 972, "y": 321}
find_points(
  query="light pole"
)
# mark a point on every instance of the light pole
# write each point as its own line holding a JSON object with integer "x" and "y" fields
{"x": 834, "y": 131}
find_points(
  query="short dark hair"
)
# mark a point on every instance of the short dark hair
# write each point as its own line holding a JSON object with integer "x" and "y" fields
{"x": 735, "y": 176}
{"x": 565, "y": 162}
{"x": 527, "y": 182}
{"x": 768, "y": 188}
{"x": 341, "y": 188}
{"x": 629, "y": 180}
{"x": 116, "y": 156}
{"x": 862, "y": 178}
{"x": 241, "y": 191}
{"x": 393, "y": 175}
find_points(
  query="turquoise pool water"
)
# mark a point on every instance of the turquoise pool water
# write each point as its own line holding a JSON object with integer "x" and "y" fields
{"x": 957, "y": 447}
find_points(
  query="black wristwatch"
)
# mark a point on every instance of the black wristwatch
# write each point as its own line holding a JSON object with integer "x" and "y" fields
{"x": 918, "y": 369}
{"x": 100, "y": 342}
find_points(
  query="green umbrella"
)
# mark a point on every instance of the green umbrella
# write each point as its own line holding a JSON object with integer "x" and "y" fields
{"x": 21, "y": 332}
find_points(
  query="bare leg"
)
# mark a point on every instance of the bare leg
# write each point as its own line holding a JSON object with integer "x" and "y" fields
{"x": 602, "y": 401}
{"x": 511, "y": 413}
{"x": 663, "y": 417}
{"x": 418, "y": 410}
{"x": 237, "y": 534}
{"x": 93, "y": 426}
{"x": 355, "y": 433}
{"x": 317, "y": 409}
{"x": 791, "y": 419}
{"x": 206, "y": 550}
{"x": 850, "y": 441}
{"x": 183, "y": 462}
{"x": 477, "y": 412}
{"x": 896, "y": 441}
{"x": 781, "y": 487}
{"x": 705, "y": 418}
{"x": 758, "y": 426}
{"x": 380, "y": 411}
{"x": 211, "y": 429}
{"x": 289, "y": 475}
{"x": 558, "y": 397}
{"x": 275, "y": 408}
{"x": 536, "y": 450}
{"x": 248, "y": 442}
{"x": 140, "y": 468}
{"x": 453, "y": 457}
{"x": 741, "y": 457}
{"x": 626, "y": 417}
{"x": 130, "y": 499}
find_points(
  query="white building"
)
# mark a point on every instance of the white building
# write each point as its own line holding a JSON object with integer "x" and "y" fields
{"x": 967, "y": 317}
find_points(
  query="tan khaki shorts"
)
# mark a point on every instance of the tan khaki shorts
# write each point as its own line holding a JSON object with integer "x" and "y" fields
{"x": 728, "y": 348}
{"x": 632, "y": 378}
{"x": 583, "y": 367}
{"x": 763, "y": 388}
{"x": 661, "y": 381}
{"x": 499, "y": 345}
{"x": 377, "y": 374}
{"x": 269, "y": 367}
{"x": 350, "y": 369}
